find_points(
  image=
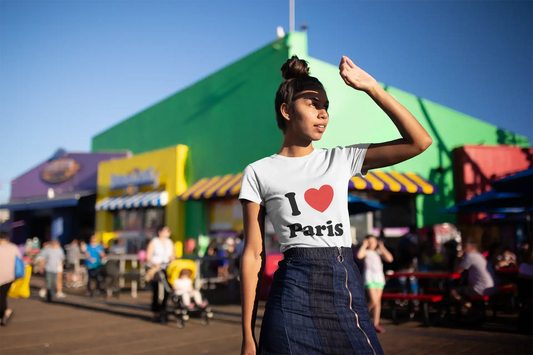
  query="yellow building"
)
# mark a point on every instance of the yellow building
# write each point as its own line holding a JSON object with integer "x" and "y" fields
{"x": 138, "y": 193}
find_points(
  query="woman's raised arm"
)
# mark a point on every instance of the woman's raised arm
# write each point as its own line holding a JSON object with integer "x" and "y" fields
{"x": 414, "y": 139}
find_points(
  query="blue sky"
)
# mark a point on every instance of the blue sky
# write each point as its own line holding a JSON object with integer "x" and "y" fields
{"x": 71, "y": 69}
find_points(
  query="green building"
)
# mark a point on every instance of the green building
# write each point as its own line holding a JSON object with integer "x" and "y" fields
{"x": 227, "y": 120}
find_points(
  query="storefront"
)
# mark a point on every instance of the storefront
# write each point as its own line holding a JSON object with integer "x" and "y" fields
{"x": 56, "y": 198}
{"x": 137, "y": 194}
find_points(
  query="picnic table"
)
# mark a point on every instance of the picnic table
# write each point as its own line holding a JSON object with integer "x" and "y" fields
{"x": 425, "y": 275}
{"x": 508, "y": 270}
{"x": 423, "y": 297}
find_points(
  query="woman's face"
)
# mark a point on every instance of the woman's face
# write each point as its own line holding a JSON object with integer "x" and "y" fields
{"x": 308, "y": 115}
{"x": 164, "y": 233}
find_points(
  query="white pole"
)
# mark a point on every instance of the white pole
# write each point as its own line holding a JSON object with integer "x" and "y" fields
{"x": 291, "y": 14}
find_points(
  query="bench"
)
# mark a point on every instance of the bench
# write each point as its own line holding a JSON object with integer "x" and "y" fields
{"x": 424, "y": 299}
{"x": 507, "y": 289}
{"x": 503, "y": 291}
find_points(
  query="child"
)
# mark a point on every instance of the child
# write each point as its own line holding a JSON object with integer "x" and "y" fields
{"x": 53, "y": 257}
{"x": 373, "y": 251}
{"x": 183, "y": 287}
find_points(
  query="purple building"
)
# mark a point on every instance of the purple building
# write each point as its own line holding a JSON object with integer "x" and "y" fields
{"x": 56, "y": 198}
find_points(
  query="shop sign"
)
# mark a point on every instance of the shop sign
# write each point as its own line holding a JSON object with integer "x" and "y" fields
{"x": 136, "y": 178}
{"x": 59, "y": 170}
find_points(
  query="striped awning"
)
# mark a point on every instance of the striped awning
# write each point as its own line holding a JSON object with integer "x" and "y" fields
{"x": 145, "y": 199}
{"x": 218, "y": 186}
{"x": 392, "y": 181}
{"x": 230, "y": 185}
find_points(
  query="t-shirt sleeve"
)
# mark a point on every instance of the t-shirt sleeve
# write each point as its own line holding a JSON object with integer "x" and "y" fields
{"x": 250, "y": 189}
{"x": 466, "y": 263}
{"x": 355, "y": 156}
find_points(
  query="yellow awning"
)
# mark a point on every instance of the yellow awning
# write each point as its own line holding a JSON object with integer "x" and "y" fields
{"x": 230, "y": 185}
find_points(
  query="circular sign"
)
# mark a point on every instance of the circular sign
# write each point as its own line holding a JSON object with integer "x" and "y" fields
{"x": 59, "y": 170}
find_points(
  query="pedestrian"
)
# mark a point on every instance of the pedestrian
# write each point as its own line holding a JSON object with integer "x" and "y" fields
{"x": 408, "y": 262}
{"x": 94, "y": 253}
{"x": 53, "y": 257}
{"x": 159, "y": 254}
{"x": 481, "y": 278}
{"x": 373, "y": 251}
{"x": 316, "y": 304}
{"x": 8, "y": 254}
{"x": 73, "y": 254}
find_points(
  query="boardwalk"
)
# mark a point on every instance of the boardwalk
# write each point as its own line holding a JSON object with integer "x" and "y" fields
{"x": 79, "y": 325}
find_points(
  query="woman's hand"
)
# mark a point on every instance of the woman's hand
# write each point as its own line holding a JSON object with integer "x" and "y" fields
{"x": 248, "y": 347}
{"x": 355, "y": 77}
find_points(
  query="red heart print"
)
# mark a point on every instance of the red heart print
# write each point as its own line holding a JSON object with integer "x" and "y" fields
{"x": 319, "y": 199}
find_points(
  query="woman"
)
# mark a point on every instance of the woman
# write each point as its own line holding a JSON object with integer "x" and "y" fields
{"x": 8, "y": 254}
{"x": 316, "y": 304}
{"x": 373, "y": 251}
{"x": 159, "y": 254}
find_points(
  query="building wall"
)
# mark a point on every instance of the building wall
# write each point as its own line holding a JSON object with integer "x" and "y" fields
{"x": 169, "y": 163}
{"x": 228, "y": 121}
{"x": 214, "y": 118}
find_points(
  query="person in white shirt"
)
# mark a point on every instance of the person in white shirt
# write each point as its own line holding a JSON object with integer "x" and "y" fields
{"x": 183, "y": 287}
{"x": 160, "y": 252}
{"x": 316, "y": 304}
{"x": 373, "y": 251}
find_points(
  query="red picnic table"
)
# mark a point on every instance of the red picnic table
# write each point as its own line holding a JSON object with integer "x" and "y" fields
{"x": 424, "y": 298}
{"x": 507, "y": 270}
{"x": 426, "y": 275}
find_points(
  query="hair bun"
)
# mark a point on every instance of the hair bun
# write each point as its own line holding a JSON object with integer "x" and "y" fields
{"x": 294, "y": 68}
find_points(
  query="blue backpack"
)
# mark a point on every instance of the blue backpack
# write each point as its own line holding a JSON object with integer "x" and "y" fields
{"x": 19, "y": 268}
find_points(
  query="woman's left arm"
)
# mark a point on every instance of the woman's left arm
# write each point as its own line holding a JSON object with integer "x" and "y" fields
{"x": 414, "y": 139}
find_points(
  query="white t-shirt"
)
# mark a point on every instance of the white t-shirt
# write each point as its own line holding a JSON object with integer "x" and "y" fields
{"x": 480, "y": 273}
{"x": 306, "y": 198}
{"x": 373, "y": 268}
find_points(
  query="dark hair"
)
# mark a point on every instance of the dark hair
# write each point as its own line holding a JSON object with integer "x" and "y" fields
{"x": 371, "y": 236}
{"x": 160, "y": 228}
{"x": 472, "y": 242}
{"x": 295, "y": 71}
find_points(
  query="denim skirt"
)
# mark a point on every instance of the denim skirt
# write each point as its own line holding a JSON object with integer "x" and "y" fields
{"x": 317, "y": 306}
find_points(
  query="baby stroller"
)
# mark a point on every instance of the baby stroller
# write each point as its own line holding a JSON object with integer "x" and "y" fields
{"x": 181, "y": 312}
{"x": 108, "y": 275}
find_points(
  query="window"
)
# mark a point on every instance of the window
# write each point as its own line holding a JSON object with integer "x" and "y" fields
{"x": 138, "y": 219}
{"x": 128, "y": 219}
{"x": 154, "y": 217}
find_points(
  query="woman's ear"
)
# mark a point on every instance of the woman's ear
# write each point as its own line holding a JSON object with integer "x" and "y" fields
{"x": 284, "y": 109}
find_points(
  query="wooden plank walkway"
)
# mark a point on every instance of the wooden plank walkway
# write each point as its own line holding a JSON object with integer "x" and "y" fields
{"x": 80, "y": 325}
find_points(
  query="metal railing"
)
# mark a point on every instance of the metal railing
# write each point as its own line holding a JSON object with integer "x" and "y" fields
{"x": 205, "y": 274}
